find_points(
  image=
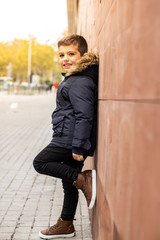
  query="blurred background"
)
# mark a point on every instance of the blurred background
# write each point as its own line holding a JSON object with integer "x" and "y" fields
{"x": 28, "y": 52}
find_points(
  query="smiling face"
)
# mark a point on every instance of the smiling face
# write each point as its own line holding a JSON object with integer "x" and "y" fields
{"x": 68, "y": 56}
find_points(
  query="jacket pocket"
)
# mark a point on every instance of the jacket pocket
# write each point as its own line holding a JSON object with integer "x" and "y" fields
{"x": 58, "y": 123}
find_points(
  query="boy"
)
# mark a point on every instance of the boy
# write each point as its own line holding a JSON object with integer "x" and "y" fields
{"x": 74, "y": 132}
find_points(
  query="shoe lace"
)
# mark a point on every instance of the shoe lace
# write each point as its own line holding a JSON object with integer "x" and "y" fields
{"x": 53, "y": 227}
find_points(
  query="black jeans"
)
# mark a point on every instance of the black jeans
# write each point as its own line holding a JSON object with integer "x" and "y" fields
{"x": 58, "y": 162}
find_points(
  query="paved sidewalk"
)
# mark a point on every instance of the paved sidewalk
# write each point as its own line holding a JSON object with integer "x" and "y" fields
{"x": 29, "y": 202}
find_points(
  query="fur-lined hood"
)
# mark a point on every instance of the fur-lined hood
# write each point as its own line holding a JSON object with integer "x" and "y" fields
{"x": 88, "y": 59}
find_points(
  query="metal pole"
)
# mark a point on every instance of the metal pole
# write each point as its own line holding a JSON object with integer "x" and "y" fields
{"x": 29, "y": 61}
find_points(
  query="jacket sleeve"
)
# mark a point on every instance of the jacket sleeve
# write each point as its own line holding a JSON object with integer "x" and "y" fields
{"x": 81, "y": 95}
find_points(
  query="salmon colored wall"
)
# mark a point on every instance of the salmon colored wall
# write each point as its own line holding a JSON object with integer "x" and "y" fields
{"x": 127, "y": 37}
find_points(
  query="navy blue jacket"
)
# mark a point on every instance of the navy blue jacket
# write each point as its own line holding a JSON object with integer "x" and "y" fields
{"x": 75, "y": 117}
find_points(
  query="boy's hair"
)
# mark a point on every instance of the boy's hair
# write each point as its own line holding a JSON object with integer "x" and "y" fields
{"x": 74, "y": 39}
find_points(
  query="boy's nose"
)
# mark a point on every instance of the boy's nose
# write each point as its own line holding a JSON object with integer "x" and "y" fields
{"x": 65, "y": 57}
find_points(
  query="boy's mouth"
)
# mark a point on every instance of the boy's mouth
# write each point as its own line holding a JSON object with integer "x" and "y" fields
{"x": 67, "y": 65}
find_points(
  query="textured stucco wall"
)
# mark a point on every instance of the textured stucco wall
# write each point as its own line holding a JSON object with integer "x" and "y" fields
{"x": 127, "y": 36}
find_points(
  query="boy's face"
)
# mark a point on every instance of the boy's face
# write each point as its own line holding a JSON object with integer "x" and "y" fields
{"x": 68, "y": 56}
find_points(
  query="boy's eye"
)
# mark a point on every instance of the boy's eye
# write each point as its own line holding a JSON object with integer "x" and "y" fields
{"x": 72, "y": 54}
{"x": 61, "y": 55}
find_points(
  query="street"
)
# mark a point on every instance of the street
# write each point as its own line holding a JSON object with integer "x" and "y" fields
{"x": 30, "y": 202}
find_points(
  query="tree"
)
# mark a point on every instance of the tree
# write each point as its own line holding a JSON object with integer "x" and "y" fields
{"x": 19, "y": 53}
{"x": 44, "y": 59}
{"x": 4, "y": 58}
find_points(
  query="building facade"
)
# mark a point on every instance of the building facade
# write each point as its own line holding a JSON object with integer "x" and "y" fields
{"x": 126, "y": 35}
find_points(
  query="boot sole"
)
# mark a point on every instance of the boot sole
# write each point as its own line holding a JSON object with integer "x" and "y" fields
{"x": 93, "y": 199}
{"x": 56, "y": 236}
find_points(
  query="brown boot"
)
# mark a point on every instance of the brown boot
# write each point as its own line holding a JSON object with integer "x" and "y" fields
{"x": 62, "y": 229}
{"x": 86, "y": 181}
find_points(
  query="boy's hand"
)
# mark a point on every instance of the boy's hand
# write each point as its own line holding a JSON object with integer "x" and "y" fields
{"x": 78, "y": 157}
